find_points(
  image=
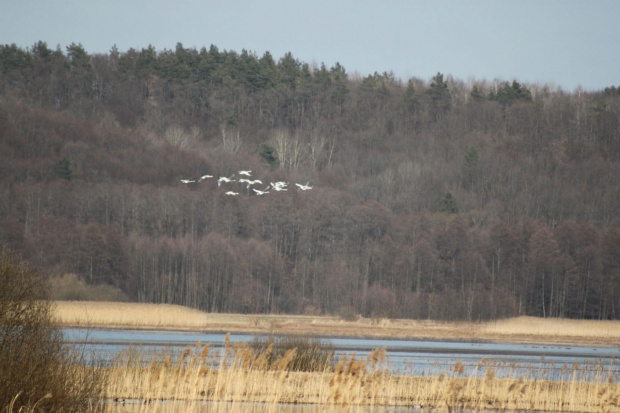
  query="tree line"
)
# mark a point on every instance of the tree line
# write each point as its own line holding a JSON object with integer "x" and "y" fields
{"x": 434, "y": 198}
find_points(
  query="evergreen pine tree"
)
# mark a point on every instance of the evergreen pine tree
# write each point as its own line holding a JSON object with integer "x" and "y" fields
{"x": 63, "y": 169}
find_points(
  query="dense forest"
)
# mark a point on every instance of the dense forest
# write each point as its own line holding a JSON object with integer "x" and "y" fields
{"x": 431, "y": 198}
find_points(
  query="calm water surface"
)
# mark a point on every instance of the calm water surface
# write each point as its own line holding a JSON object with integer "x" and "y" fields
{"x": 412, "y": 357}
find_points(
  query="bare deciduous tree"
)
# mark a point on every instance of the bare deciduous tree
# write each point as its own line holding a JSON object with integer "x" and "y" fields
{"x": 177, "y": 136}
{"x": 317, "y": 147}
{"x": 289, "y": 147}
{"x": 231, "y": 139}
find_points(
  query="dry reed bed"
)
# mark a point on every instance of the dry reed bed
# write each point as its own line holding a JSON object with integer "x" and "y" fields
{"x": 165, "y": 316}
{"x": 605, "y": 329}
{"x": 239, "y": 376}
{"x": 118, "y": 314}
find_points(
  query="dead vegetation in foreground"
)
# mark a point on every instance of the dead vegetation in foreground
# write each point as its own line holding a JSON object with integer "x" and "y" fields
{"x": 165, "y": 316}
{"x": 240, "y": 379}
{"x": 243, "y": 379}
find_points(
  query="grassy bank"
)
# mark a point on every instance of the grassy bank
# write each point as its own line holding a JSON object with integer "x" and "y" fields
{"x": 243, "y": 377}
{"x": 164, "y": 316}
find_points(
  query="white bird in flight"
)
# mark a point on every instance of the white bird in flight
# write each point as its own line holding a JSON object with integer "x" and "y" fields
{"x": 279, "y": 186}
{"x": 304, "y": 187}
{"x": 246, "y": 173}
{"x": 187, "y": 181}
{"x": 250, "y": 183}
{"x": 232, "y": 193}
{"x": 263, "y": 192}
{"x": 202, "y": 178}
{"x": 224, "y": 179}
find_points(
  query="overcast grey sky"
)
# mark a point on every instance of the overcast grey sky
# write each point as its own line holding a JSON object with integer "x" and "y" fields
{"x": 565, "y": 43}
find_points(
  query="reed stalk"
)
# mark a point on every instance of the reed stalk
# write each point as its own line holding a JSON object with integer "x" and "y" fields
{"x": 243, "y": 379}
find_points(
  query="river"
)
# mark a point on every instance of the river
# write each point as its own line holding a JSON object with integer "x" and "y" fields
{"x": 412, "y": 357}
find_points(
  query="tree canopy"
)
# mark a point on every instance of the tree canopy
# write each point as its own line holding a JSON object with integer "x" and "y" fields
{"x": 431, "y": 198}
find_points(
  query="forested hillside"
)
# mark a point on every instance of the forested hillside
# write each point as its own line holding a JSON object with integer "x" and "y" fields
{"x": 431, "y": 198}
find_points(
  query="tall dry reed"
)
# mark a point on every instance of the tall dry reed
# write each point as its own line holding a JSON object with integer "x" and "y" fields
{"x": 239, "y": 375}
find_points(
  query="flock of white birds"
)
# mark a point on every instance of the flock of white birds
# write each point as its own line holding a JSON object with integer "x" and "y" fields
{"x": 275, "y": 186}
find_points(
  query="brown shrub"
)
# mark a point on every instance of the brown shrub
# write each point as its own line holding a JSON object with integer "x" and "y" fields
{"x": 35, "y": 367}
{"x": 69, "y": 287}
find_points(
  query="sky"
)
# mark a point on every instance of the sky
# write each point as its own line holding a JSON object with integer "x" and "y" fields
{"x": 566, "y": 44}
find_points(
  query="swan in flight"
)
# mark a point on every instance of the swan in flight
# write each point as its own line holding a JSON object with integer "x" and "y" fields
{"x": 250, "y": 183}
{"x": 232, "y": 193}
{"x": 202, "y": 178}
{"x": 279, "y": 186}
{"x": 263, "y": 192}
{"x": 304, "y": 187}
{"x": 224, "y": 179}
{"x": 246, "y": 173}
{"x": 187, "y": 181}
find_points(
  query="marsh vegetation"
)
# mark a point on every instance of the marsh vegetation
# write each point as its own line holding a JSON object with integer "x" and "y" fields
{"x": 263, "y": 374}
{"x": 242, "y": 373}
{"x": 165, "y": 316}
{"x": 266, "y": 374}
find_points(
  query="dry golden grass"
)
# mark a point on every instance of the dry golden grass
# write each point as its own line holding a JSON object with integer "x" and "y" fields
{"x": 123, "y": 315}
{"x": 164, "y": 316}
{"x": 554, "y": 327}
{"x": 239, "y": 376}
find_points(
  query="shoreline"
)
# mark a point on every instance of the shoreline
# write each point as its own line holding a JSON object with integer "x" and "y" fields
{"x": 535, "y": 349}
{"x": 172, "y": 318}
{"x": 481, "y": 340}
